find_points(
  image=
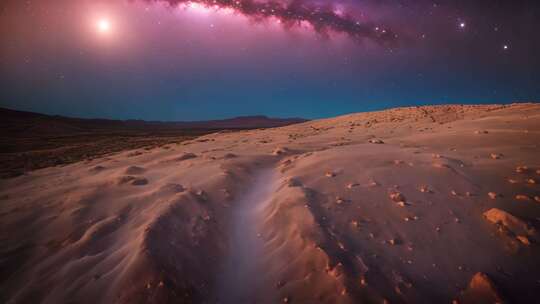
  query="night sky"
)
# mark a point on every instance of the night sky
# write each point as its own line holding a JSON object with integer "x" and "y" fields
{"x": 208, "y": 59}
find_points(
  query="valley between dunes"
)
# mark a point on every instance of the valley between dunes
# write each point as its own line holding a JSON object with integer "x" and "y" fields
{"x": 427, "y": 204}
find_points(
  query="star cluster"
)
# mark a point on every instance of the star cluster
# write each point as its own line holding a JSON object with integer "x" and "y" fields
{"x": 323, "y": 19}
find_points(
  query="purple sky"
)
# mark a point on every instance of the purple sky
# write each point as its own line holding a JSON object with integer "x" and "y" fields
{"x": 179, "y": 60}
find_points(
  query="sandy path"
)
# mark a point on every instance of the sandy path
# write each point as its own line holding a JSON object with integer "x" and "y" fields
{"x": 243, "y": 278}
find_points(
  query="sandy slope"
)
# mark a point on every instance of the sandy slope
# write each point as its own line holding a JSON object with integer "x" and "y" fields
{"x": 417, "y": 205}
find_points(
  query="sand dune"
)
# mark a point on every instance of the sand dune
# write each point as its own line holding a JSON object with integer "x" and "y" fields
{"x": 409, "y": 205}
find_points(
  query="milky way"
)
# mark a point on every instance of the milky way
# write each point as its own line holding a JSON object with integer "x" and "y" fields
{"x": 323, "y": 19}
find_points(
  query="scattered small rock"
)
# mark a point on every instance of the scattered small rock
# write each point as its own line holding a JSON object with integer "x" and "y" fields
{"x": 496, "y": 155}
{"x": 330, "y": 174}
{"x": 493, "y": 195}
{"x": 522, "y": 197}
{"x": 441, "y": 165}
{"x": 425, "y": 189}
{"x": 512, "y": 181}
{"x": 522, "y": 169}
{"x": 481, "y": 132}
{"x": 397, "y": 197}
{"x": 523, "y": 239}
{"x": 373, "y": 184}
{"x": 393, "y": 241}
{"x": 376, "y": 141}
{"x": 280, "y": 151}
{"x": 352, "y": 185}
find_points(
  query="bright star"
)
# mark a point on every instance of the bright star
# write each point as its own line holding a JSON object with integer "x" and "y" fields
{"x": 103, "y": 25}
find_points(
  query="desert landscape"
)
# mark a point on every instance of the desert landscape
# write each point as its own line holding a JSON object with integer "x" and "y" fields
{"x": 430, "y": 204}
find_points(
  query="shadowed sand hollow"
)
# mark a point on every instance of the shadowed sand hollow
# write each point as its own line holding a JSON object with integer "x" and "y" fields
{"x": 244, "y": 277}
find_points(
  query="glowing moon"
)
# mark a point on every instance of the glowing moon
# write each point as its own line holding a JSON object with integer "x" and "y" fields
{"x": 103, "y": 26}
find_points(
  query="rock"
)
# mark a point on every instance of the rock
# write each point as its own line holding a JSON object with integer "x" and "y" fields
{"x": 508, "y": 221}
{"x": 512, "y": 181}
{"x": 537, "y": 198}
{"x": 495, "y": 155}
{"x": 398, "y": 162}
{"x": 280, "y": 151}
{"x": 330, "y": 174}
{"x": 522, "y": 169}
{"x": 493, "y": 195}
{"x": 372, "y": 184}
{"x": 531, "y": 181}
{"x": 441, "y": 165}
{"x": 523, "y": 239}
{"x": 481, "y": 132}
{"x": 393, "y": 241}
{"x": 425, "y": 189}
{"x": 376, "y": 141}
{"x": 363, "y": 281}
{"x": 352, "y": 185}
{"x": 397, "y": 197}
{"x": 481, "y": 289}
{"x": 522, "y": 197}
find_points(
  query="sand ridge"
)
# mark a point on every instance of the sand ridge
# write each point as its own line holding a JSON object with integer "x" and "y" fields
{"x": 382, "y": 206}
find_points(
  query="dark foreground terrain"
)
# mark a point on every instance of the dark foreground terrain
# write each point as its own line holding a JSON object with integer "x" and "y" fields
{"x": 32, "y": 141}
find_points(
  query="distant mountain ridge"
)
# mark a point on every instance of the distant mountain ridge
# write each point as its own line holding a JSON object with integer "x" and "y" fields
{"x": 22, "y": 123}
